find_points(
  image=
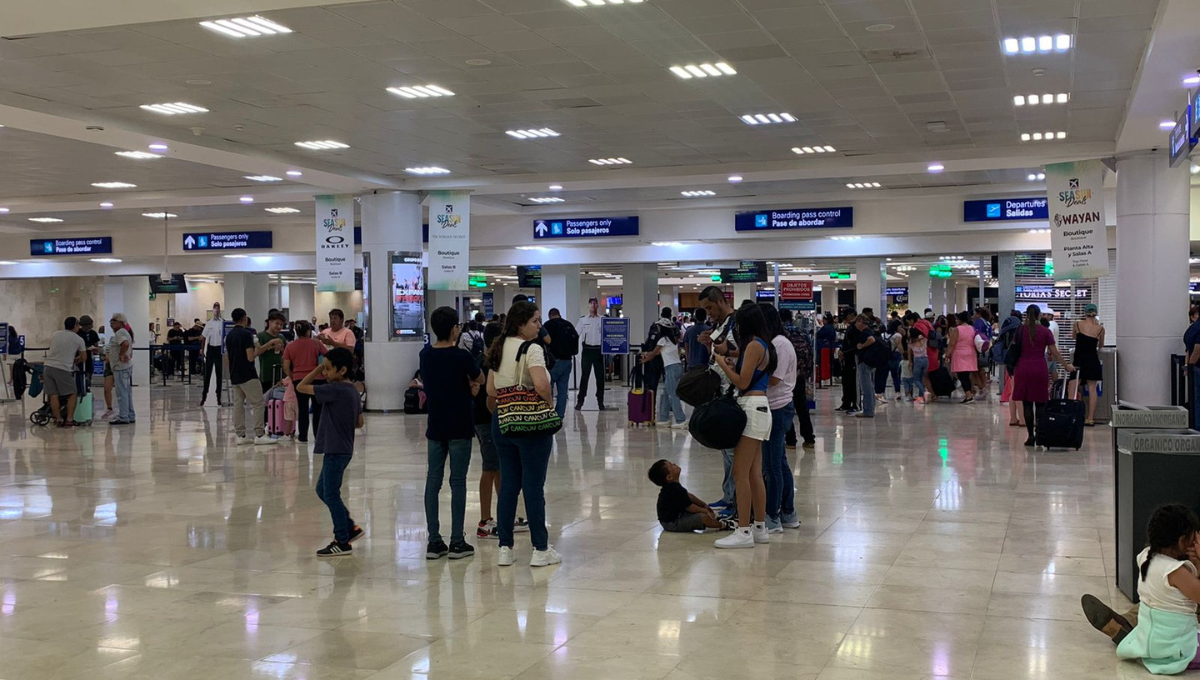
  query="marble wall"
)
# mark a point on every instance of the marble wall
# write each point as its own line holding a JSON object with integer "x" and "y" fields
{"x": 37, "y": 307}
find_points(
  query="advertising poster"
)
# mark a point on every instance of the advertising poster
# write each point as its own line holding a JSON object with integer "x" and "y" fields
{"x": 1078, "y": 235}
{"x": 449, "y": 240}
{"x": 408, "y": 297}
{"x": 335, "y": 244}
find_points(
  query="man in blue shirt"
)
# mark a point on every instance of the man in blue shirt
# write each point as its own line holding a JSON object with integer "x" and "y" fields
{"x": 697, "y": 353}
{"x": 1191, "y": 343}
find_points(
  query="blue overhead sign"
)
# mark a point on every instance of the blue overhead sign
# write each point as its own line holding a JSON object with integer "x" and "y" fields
{"x": 1195, "y": 110}
{"x": 614, "y": 336}
{"x": 227, "y": 240}
{"x": 1006, "y": 209}
{"x": 585, "y": 227}
{"x": 93, "y": 245}
{"x": 1181, "y": 139}
{"x": 795, "y": 218}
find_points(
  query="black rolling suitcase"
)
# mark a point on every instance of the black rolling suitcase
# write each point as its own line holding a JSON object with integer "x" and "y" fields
{"x": 1060, "y": 421}
{"x": 941, "y": 382}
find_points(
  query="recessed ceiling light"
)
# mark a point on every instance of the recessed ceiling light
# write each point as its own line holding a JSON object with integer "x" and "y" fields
{"x": 610, "y": 161}
{"x": 532, "y": 248}
{"x": 1039, "y": 231}
{"x": 1042, "y": 136}
{"x": 666, "y": 244}
{"x": 696, "y": 194}
{"x": 555, "y": 187}
{"x": 547, "y": 199}
{"x": 234, "y": 257}
{"x": 114, "y": 185}
{"x": 1036, "y": 176}
{"x": 1166, "y": 125}
{"x": 44, "y": 220}
{"x": 7, "y": 262}
{"x": 138, "y": 155}
{"x": 768, "y": 118}
{"x": 294, "y": 173}
{"x": 264, "y": 178}
{"x": 880, "y": 28}
{"x": 690, "y": 71}
{"x": 734, "y": 179}
{"x": 813, "y": 149}
{"x": 601, "y": 3}
{"x": 531, "y": 134}
{"x": 845, "y": 238}
{"x": 1195, "y": 171}
{"x": 1034, "y": 99}
{"x": 863, "y": 185}
{"x": 3, "y": 210}
{"x": 246, "y": 199}
{"x": 106, "y": 205}
{"x": 1192, "y": 80}
{"x": 936, "y": 167}
{"x": 159, "y": 215}
{"x": 105, "y": 260}
{"x": 427, "y": 170}
{"x": 421, "y": 91}
{"x": 245, "y": 27}
{"x": 282, "y": 211}
{"x": 174, "y": 109}
{"x": 158, "y": 146}
{"x": 322, "y": 145}
{"x": 1041, "y": 44}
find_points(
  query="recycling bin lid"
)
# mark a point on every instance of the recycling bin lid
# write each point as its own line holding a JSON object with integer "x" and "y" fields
{"x": 1178, "y": 442}
{"x": 1129, "y": 414}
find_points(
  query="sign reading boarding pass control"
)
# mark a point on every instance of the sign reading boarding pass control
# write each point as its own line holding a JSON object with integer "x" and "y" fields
{"x": 228, "y": 240}
{"x": 335, "y": 244}
{"x": 91, "y": 245}
{"x": 1078, "y": 232}
{"x": 585, "y": 227}
{"x": 1006, "y": 209}
{"x": 614, "y": 336}
{"x": 794, "y": 218}
{"x": 449, "y": 240}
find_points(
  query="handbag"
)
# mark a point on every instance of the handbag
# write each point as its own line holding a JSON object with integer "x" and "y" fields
{"x": 701, "y": 384}
{"x": 521, "y": 411}
{"x": 719, "y": 423}
{"x": 1013, "y": 354}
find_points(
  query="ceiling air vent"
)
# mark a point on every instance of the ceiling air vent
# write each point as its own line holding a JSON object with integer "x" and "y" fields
{"x": 886, "y": 56}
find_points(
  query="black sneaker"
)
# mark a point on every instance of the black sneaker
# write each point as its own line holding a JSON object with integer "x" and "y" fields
{"x": 579, "y": 406}
{"x": 460, "y": 549}
{"x": 356, "y": 533}
{"x": 335, "y": 549}
{"x": 436, "y": 549}
{"x": 1105, "y": 620}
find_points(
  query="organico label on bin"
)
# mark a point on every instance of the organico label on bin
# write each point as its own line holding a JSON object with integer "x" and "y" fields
{"x": 1151, "y": 419}
{"x": 1158, "y": 441}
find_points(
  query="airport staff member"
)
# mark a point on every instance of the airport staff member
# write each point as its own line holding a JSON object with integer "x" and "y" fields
{"x": 592, "y": 358}
{"x": 213, "y": 340}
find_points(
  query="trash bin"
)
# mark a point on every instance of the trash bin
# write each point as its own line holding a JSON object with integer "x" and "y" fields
{"x": 1154, "y": 467}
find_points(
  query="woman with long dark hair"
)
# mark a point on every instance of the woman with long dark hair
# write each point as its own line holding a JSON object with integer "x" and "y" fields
{"x": 1031, "y": 377}
{"x": 751, "y": 376}
{"x": 523, "y": 460}
{"x": 781, "y": 488}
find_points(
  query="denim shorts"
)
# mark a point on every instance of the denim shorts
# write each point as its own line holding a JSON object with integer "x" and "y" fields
{"x": 487, "y": 448}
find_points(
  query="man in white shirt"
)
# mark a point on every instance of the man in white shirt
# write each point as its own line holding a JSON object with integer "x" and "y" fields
{"x": 591, "y": 334}
{"x": 66, "y": 349}
{"x": 212, "y": 340}
{"x": 721, "y": 341}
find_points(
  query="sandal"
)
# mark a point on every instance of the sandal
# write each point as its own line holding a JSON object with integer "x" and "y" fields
{"x": 1089, "y": 423}
{"x": 1015, "y": 423}
{"x": 1104, "y": 619}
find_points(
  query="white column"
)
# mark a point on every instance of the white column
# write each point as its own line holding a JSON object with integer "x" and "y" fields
{"x": 1007, "y": 278}
{"x": 301, "y": 299}
{"x": 961, "y": 303}
{"x": 250, "y": 292}
{"x": 641, "y": 299}
{"x": 743, "y": 292}
{"x": 502, "y": 298}
{"x": 918, "y": 290}
{"x": 1152, "y": 272}
{"x": 829, "y": 298}
{"x": 130, "y": 295}
{"x": 869, "y": 286}
{"x": 391, "y": 221}
{"x": 937, "y": 295}
{"x": 560, "y": 290}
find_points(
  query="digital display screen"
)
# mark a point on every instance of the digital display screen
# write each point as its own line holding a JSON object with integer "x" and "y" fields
{"x": 176, "y": 284}
{"x": 408, "y": 296}
{"x": 748, "y": 271}
{"x": 529, "y": 277}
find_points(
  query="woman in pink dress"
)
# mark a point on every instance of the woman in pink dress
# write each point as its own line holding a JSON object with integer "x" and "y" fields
{"x": 1031, "y": 377}
{"x": 963, "y": 358}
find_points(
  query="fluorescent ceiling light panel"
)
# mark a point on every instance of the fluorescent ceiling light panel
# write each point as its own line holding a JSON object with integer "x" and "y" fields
{"x": 138, "y": 155}
{"x": 845, "y": 238}
{"x": 105, "y": 260}
{"x": 936, "y": 167}
{"x": 322, "y": 145}
{"x": 294, "y": 173}
{"x": 114, "y": 185}
{"x": 690, "y": 71}
{"x": 45, "y": 220}
{"x": 1042, "y": 136}
{"x": 601, "y": 3}
{"x": 547, "y": 199}
{"x": 768, "y": 118}
{"x": 1034, "y": 100}
{"x": 610, "y": 161}
{"x": 264, "y": 178}
{"x": 246, "y": 27}
{"x": 1036, "y": 176}
{"x": 159, "y": 215}
{"x": 246, "y": 199}
{"x": 695, "y": 194}
{"x": 531, "y": 134}
{"x": 158, "y": 147}
{"x": 813, "y": 149}
{"x": 1041, "y": 44}
{"x": 106, "y": 205}
{"x": 420, "y": 91}
{"x": 427, "y": 170}
{"x": 282, "y": 211}
{"x": 174, "y": 109}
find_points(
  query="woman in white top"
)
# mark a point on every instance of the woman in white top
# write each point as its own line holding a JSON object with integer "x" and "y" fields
{"x": 668, "y": 348}
{"x": 523, "y": 460}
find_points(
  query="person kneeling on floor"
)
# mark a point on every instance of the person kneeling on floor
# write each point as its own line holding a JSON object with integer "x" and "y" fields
{"x": 678, "y": 510}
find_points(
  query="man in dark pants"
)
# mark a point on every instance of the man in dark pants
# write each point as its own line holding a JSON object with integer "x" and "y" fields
{"x": 848, "y": 352}
{"x": 591, "y": 357}
{"x": 213, "y": 339}
{"x": 804, "y": 369}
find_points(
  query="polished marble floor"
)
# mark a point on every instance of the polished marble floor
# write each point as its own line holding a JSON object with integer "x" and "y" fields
{"x": 933, "y": 545}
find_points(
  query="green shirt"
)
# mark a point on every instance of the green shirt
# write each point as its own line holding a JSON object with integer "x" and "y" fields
{"x": 267, "y": 361}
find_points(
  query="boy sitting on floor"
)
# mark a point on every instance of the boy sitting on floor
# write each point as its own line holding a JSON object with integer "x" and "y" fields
{"x": 679, "y": 510}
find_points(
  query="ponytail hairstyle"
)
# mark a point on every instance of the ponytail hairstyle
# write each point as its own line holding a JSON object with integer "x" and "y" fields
{"x": 518, "y": 315}
{"x": 1033, "y": 316}
{"x": 1168, "y": 525}
{"x": 751, "y": 326}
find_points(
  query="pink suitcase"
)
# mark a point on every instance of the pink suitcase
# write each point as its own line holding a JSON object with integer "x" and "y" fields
{"x": 277, "y": 424}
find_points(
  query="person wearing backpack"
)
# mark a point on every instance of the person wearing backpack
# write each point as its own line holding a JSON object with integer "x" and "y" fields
{"x": 564, "y": 345}
{"x": 804, "y": 371}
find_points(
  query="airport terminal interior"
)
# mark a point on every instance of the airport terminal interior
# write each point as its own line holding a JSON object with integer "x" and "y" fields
{"x": 998, "y": 195}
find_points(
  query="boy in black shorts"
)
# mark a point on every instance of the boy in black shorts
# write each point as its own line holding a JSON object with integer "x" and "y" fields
{"x": 679, "y": 510}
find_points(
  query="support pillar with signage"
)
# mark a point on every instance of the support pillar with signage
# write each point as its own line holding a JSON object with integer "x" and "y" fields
{"x": 869, "y": 285}
{"x": 640, "y": 298}
{"x": 391, "y": 232}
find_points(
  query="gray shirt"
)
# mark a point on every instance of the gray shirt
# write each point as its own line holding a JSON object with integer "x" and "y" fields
{"x": 113, "y": 351}
{"x": 340, "y": 406}
{"x": 65, "y": 346}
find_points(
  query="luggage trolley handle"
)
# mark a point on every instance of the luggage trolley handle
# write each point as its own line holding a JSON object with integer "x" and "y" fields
{"x": 1073, "y": 376}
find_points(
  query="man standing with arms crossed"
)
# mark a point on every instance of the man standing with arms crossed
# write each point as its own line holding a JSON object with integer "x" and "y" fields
{"x": 211, "y": 341}
{"x": 721, "y": 341}
{"x": 591, "y": 334}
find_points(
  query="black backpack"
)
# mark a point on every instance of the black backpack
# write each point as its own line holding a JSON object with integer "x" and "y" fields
{"x": 477, "y": 346}
{"x": 879, "y": 354}
{"x": 570, "y": 341}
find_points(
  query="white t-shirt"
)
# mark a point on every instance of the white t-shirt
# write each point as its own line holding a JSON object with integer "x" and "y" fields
{"x": 64, "y": 347}
{"x": 507, "y": 375}
{"x": 1156, "y": 592}
{"x": 785, "y": 370}
{"x": 214, "y": 332}
{"x": 113, "y": 351}
{"x": 670, "y": 351}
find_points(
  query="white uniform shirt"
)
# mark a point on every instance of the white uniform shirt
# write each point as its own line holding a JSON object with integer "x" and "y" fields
{"x": 591, "y": 330}
{"x": 214, "y": 332}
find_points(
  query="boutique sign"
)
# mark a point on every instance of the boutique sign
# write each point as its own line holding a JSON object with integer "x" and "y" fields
{"x": 1078, "y": 232}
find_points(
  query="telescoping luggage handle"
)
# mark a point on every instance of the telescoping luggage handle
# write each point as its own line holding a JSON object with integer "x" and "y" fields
{"x": 1073, "y": 376}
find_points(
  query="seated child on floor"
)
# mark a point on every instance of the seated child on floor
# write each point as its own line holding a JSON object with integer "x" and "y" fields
{"x": 679, "y": 510}
{"x": 1165, "y": 637}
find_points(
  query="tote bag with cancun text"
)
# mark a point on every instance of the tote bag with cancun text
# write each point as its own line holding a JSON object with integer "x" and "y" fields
{"x": 520, "y": 410}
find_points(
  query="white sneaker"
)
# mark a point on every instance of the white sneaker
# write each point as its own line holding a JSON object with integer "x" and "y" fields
{"x": 740, "y": 538}
{"x": 264, "y": 440}
{"x": 759, "y": 532}
{"x": 544, "y": 558}
{"x": 662, "y": 423}
{"x": 245, "y": 441}
{"x": 506, "y": 557}
{"x": 680, "y": 426}
{"x": 284, "y": 439}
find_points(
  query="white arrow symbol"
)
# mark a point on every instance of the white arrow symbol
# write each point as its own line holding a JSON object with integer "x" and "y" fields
{"x": 189, "y": 242}
{"x": 540, "y": 228}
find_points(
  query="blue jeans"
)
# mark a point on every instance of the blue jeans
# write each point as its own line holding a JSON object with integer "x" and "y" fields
{"x": 560, "y": 378}
{"x": 667, "y": 399}
{"x": 781, "y": 489}
{"x": 728, "y": 487}
{"x": 329, "y": 490}
{"x": 866, "y": 389}
{"x": 123, "y": 383}
{"x": 459, "y": 453}
{"x": 523, "y": 463}
{"x": 920, "y": 366}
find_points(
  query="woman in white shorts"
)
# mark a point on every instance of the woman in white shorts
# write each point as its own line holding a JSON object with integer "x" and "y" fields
{"x": 750, "y": 375}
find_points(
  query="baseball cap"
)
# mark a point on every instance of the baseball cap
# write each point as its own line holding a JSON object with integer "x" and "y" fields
{"x": 1090, "y": 308}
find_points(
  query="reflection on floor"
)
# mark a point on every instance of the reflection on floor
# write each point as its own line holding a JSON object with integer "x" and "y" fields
{"x": 932, "y": 544}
